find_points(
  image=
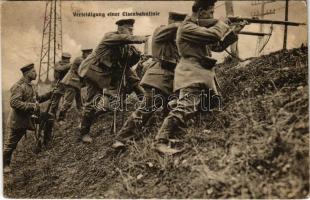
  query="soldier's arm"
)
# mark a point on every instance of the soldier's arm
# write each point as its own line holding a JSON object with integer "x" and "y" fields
{"x": 134, "y": 56}
{"x": 203, "y": 35}
{"x": 17, "y": 102}
{"x": 227, "y": 41}
{"x": 166, "y": 33}
{"x": 44, "y": 97}
{"x": 121, "y": 39}
{"x": 65, "y": 68}
{"x": 76, "y": 63}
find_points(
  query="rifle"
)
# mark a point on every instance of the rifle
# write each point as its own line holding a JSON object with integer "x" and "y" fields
{"x": 236, "y": 20}
{"x": 46, "y": 122}
{"x": 254, "y": 33}
{"x": 121, "y": 85}
{"x": 35, "y": 117}
{"x": 256, "y": 20}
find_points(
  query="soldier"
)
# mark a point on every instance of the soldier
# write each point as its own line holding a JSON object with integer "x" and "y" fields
{"x": 158, "y": 79}
{"x": 195, "y": 71}
{"x": 73, "y": 84}
{"x": 24, "y": 102}
{"x": 61, "y": 69}
{"x": 102, "y": 69}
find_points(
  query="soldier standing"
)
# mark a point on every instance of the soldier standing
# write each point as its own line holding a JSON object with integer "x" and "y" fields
{"x": 195, "y": 71}
{"x": 61, "y": 69}
{"x": 102, "y": 69}
{"x": 158, "y": 79}
{"x": 24, "y": 103}
{"x": 73, "y": 84}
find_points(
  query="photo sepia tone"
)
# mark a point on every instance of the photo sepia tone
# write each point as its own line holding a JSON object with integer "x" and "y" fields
{"x": 155, "y": 99}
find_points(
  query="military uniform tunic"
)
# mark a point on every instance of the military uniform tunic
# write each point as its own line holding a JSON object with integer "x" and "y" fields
{"x": 194, "y": 43}
{"x": 105, "y": 61}
{"x": 22, "y": 102}
{"x": 164, "y": 50}
{"x": 23, "y": 98}
{"x": 72, "y": 78}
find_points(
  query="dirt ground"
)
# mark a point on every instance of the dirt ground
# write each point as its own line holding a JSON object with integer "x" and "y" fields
{"x": 257, "y": 147}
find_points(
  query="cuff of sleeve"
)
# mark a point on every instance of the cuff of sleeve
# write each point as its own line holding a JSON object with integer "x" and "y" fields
{"x": 231, "y": 37}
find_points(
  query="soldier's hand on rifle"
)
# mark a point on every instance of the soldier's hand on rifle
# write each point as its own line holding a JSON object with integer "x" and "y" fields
{"x": 226, "y": 20}
{"x": 143, "y": 39}
{"x": 36, "y": 107}
{"x": 238, "y": 27}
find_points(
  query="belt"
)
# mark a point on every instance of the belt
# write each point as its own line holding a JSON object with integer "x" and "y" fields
{"x": 205, "y": 62}
{"x": 166, "y": 64}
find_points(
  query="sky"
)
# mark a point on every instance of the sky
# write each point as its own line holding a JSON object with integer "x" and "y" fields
{"x": 22, "y": 25}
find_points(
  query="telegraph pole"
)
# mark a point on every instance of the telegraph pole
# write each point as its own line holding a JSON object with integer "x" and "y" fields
{"x": 261, "y": 14}
{"x": 51, "y": 47}
{"x": 285, "y": 28}
{"x": 230, "y": 12}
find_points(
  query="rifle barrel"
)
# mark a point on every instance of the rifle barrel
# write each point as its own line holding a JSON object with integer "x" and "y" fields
{"x": 253, "y": 33}
{"x": 265, "y": 21}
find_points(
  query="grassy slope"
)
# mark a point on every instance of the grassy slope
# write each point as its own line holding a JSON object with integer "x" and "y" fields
{"x": 257, "y": 148}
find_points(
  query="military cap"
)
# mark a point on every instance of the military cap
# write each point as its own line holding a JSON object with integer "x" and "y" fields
{"x": 204, "y": 3}
{"x": 122, "y": 22}
{"x": 86, "y": 50}
{"x": 27, "y": 67}
{"x": 66, "y": 55}
{"x": 176, "y": 16}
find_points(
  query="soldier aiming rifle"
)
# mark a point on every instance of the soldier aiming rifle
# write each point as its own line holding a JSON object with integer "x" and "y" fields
{"x": 195, "y": 72}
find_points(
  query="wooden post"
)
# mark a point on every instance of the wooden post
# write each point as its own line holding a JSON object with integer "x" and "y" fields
{"x": 285, "y": 28}
{"x": 230, "y": 12}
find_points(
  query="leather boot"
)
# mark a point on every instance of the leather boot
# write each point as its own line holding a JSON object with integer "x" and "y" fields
{"x": 171, "y": 128}
{"x": 85, "y": 128}
{"x": 128, "y": 130}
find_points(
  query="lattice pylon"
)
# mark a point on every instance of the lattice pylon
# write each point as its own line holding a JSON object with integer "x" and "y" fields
{"x": 51, "y": 47}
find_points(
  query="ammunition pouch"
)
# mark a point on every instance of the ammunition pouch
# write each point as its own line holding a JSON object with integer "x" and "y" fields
{"x": 170, "y": 66}
{"x": 206, "y": 62}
